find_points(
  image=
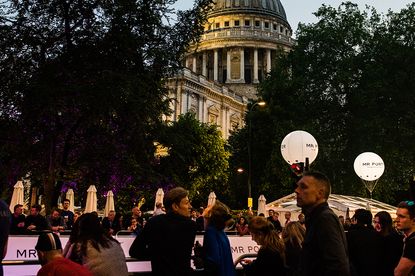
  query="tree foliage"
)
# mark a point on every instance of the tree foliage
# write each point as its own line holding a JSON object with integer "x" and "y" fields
{"x": 197, "y": 158}
{"x": 82, "y": 83}
{"x": 349, "y": 81}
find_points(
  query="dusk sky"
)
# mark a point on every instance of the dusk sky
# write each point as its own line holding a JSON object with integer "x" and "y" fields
{"x": 301, "y": 10}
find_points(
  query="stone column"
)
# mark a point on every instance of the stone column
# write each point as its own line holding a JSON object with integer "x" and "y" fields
{"x": 194, "y": 64}
{"x": 204, "y": 64}
{"x": 201, "y": 108}
{"x": 255, "y": 66}
{"x": 268, "y": 53}
{"x": 215, "y": 65}
{"x": 177, "y": 103}
{"x": 228, "y": 65}
{"x": 205, "y": 111}
{"x": 184, "y": 102}
{"x": 228, "y": 122}
{"x": 187, "y": 66}
{"x": 224, "y": 115}
{"x": 242, "y": 66}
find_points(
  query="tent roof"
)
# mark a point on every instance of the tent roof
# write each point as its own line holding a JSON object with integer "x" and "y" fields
{"x": 339, "y": 204}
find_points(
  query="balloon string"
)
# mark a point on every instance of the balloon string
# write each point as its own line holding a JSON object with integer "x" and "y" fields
{"x": 370, "y": 185}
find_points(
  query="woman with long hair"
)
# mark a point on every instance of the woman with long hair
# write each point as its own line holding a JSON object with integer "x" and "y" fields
{"x": 271, "y": 256}
{"x": 218, "y": 256}
{"x": 293, "y": 236}
{"x": 99, "y": 252}
{"x": 383, "y": 223}
{"x": 393, "y": 241}
{"x": 242, "y": 226}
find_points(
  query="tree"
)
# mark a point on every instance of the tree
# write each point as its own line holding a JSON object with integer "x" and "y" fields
{"x": 83, "y": 82}
{"x": 326, "y": 78}
{"x": 349, "y": 83}
{"x": 264, "y": 155}
{"x": 197, "y": 158}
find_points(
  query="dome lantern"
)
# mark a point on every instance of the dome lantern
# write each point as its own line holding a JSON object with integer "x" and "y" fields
{"x": 272, "y": 8}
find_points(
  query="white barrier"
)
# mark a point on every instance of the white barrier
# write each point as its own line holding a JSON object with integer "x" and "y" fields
{"x": 22, "y": 248}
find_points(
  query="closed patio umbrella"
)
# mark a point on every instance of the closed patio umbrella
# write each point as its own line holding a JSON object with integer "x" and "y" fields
{"x": 70, "y": 195}
{"x": 262, "y": 201}
{"x": 159, "y": 197}
{"x": 91, "y": 200}
{"x": 109, "y": 204}
{"x": 17, "y": 196}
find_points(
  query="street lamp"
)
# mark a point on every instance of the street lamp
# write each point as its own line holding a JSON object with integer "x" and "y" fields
{"x": 259, "y": 103}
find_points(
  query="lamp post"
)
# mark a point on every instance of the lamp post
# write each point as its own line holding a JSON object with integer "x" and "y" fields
{"x": 260, "y": 103}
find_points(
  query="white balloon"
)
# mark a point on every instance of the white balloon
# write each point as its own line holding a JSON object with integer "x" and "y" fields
{"x": 369, "y": 166}
{"x": 297, "y": 146}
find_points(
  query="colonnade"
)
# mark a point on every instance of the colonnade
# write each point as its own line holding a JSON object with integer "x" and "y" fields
{"x": 235, "y": 57}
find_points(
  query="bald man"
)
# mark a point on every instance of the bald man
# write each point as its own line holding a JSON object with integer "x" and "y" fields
{"x": 49, "y": 251}
{"x": 325, "y": 246}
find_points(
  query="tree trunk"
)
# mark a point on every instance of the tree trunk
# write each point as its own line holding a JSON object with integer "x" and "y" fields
{"x": 51, "y": 178}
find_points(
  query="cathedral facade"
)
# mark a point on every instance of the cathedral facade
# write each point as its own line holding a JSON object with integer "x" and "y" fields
{"x": 234, "y": 54}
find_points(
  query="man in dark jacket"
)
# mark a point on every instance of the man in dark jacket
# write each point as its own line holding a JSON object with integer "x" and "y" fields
{"x": 325, "y": 246}
{"x": 168, "y": 238}
{"x": 35, "y": 221}
{"x": 17, "y": 221}
{"x": 273, "y": 218}
{"x": 68, "y": 215}
{"x": 365, "y": 245}
{"x": 111, "y": 223}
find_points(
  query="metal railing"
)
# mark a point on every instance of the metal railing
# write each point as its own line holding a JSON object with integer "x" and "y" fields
{"x": 244, "y": 256}
{"x": 246, "y": 33}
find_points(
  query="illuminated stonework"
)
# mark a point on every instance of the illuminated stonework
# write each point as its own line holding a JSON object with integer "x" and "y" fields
{"x": 234, "y": 54}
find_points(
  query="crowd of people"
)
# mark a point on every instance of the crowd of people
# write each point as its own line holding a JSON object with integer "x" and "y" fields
{"x": 59, "y": 220}
{"x": 315, "y": 244}
{"x": 62, "y": 220}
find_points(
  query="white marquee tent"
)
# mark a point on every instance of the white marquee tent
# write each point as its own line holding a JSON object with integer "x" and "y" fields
{"x": 339, "y": 204}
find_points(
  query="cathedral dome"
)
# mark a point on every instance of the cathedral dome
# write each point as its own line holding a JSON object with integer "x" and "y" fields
{"x": 261, "y": 7}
